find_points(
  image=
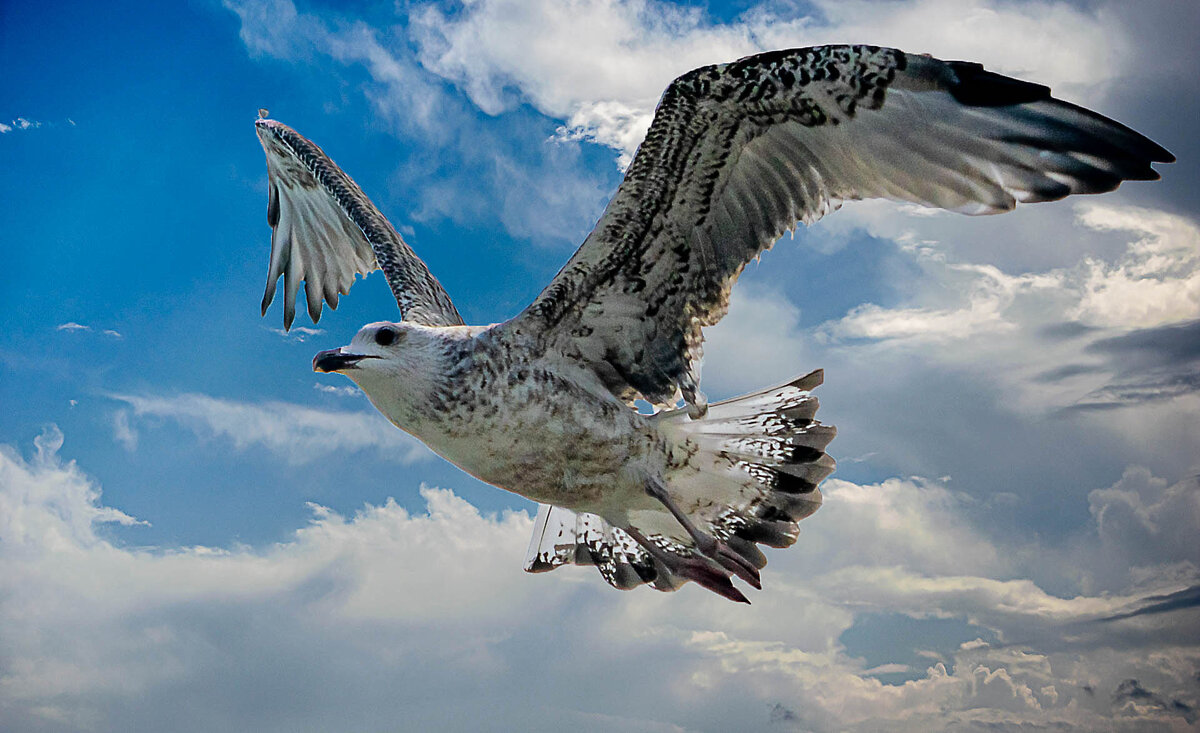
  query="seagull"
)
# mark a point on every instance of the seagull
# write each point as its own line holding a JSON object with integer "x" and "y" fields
{"x": 545, "y": 404}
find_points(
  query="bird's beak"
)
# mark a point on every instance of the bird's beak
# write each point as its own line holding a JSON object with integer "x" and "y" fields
{"x": 335, "y": 360}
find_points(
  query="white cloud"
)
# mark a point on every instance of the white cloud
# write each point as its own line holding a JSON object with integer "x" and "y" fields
{"x": 276, "y": 28}
{"x": 989, "y": 292}
{"x": 758, "y": 343}
{"x": 339, "y": 391}
{"x": 468, "y": 164}
{"x": 912, "y": 523}
{"x": 979, "y": 318}
{"x": 73, "y": 327}
{"x": 1143, "y": 521}
{"x": 298, "y": 333}
{"x": 295, "y": 433}
{"x": 602, "y": 64}
{"x": 20, "y": 123}
{"x": 123, "y": 431}
{"x": 392, "y": 613}
{"x": 48, "y": 505}
{"x": 1158, "y": 279}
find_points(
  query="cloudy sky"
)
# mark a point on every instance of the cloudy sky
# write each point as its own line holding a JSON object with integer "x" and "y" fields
{"x": 197, "y": 533}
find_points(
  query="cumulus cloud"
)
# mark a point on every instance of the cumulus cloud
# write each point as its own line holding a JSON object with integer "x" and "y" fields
{"x": 1155, "y": 283}
{"x": 1142, "y": 519}
{"x": 295, "y": 433}
{"x": 393, "y": 613}
{"x": 601, "y": 65}
{"x": 339, "y": 391}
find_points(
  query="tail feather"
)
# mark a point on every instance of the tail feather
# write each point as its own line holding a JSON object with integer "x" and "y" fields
{"x": 563, "y": 537}
{"x": 752, "y": 470}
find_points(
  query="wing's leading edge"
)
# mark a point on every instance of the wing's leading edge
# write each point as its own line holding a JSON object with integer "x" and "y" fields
{"x": 739, "y": 153}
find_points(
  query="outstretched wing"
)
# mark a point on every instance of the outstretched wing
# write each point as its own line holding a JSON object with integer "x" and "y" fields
{"x": 738, "y": 153}
{"x": 325, "y": 231}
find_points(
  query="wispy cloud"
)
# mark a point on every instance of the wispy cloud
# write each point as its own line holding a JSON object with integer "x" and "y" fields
{"x": 298, "y": 333}
{"x": 20, "y": 123}
{"x": 123, "y": 431}
{"x": 294, "y": 433}
{"x": 23, "y": 123}
{"x": 544, "y": 192}
{"x": 73, "y": 327}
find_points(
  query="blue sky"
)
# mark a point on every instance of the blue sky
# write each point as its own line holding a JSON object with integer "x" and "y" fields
{"x": 224, "y": 531}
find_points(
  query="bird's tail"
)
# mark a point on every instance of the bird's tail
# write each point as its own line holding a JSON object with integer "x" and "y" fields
{"x": 753, "y": 467}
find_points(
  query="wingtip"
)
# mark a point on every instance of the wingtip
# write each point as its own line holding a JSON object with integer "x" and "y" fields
{"x": 975, "y": 86}
{"x": 268, "y": 297}
{"x": 809, "y": 381}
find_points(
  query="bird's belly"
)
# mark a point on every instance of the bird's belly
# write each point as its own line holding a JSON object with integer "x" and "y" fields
{"x": 581, "y": 457}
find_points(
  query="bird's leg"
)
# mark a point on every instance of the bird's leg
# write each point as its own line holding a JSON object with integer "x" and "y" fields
{"x": 697, "y": 567}
{"x": 706, "y": 543}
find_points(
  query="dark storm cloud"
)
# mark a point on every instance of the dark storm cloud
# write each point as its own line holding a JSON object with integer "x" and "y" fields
{"x": 1065, "y": 330}
{"x": 1136, "y": 389}
{"x": 1176, "y": 344}
{"x": 1066, "y": 372}
{"x": 1179, "y": 600}
{"x": 1150, "y": 365}
{"x": 1132, "y": 691}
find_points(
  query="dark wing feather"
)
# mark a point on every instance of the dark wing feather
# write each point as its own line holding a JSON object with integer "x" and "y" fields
{"x": 326, "y": 231}
{"x": 738, "y": 153}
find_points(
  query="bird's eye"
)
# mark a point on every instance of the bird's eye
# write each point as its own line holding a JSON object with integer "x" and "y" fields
{"x": 385, "y": 336}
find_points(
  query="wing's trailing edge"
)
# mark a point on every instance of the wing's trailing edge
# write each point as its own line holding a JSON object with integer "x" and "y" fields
{"x": 738, "y": 153}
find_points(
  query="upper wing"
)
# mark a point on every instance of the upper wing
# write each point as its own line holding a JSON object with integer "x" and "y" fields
{"x": 325, "y": 231}
{"x": 740, "y": 152}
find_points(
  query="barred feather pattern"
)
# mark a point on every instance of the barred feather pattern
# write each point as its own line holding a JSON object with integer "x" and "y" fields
{"x": 738, "y": 153}
{"x": 749, "y": 469}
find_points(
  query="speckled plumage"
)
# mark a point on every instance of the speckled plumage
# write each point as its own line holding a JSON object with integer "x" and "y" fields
{"x": 737, "y": 154}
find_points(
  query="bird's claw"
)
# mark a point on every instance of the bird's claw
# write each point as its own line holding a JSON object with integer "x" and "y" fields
{"x": 729, "y": 559}
{"x": 709, "y": 574}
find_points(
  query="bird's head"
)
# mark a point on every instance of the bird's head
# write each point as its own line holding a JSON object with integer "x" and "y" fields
{"x": 398, "y": 365}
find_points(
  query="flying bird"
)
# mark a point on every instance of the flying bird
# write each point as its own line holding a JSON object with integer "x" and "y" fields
{"x": 543, "y": 405}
